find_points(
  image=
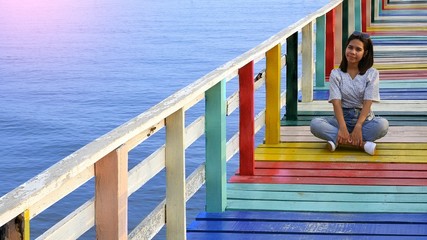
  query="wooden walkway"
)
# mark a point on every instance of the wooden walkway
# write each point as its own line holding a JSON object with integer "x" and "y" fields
{"x": 302, "y": 191}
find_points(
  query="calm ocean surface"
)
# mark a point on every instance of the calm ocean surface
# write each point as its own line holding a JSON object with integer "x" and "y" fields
{"x": 71, "y": 71}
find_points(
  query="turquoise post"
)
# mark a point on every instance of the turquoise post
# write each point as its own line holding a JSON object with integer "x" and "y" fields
{"x": 320, "y": 51}
{"x": 357, "y": 15}
{"x": 215, "y": 127}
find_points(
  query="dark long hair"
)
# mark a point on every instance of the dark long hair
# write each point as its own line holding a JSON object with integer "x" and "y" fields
{"x": 368, "y": 59}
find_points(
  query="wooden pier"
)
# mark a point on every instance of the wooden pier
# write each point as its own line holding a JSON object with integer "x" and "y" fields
{"x": 289, "y": 187}
{"x": 299, "y": 190}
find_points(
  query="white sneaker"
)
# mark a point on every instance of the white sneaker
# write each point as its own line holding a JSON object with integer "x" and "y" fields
{"x": 370, "y": 148}
{"x": 331, "y": 146}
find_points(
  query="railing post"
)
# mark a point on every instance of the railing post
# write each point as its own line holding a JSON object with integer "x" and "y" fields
{"x": 374, "y": 8}
{"x": 215, "y": 132}
{"x": 364, "y": 15}
{"x": 307, "y": 63}
{"x": 111, "y": 196}
{"x": 351, "y": 16}
{"x": 330, "y": 42}
{"x": 292, "y": 77}
{"x": 320, "y": 51}
{"x": 338, "y": 34}
{"x": 246, "y": 119}
{"x": 272, "y": 84}
{"x": 17, "y": 228}
{"x": 175, "y": 176}
{"x": 345, "y": 23}
{"x": 357, "y": 15}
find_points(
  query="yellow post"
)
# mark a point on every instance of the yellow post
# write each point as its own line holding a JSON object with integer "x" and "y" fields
{"x": 27, "y": 224}
{"x": 272, "y": 83}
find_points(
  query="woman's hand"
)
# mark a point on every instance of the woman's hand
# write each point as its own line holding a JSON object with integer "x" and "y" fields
{"x": 356, "y": 136}
{"x": 343, "y": 136}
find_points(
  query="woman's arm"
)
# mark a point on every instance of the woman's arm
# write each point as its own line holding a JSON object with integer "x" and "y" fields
{"x": 343, "y": 134}
{"x": 356, "y": 135}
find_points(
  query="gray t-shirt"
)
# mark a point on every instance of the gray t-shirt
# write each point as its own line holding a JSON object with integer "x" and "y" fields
{"x": 352, "y": 92}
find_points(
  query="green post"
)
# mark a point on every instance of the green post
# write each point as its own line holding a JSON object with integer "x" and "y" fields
{"x": 344, "y": 24}
{"x": 373, "y": 11}
{"x": 320, "y": 50}
{"x": 215, "y": 128}
{"x": 292, "y": 77}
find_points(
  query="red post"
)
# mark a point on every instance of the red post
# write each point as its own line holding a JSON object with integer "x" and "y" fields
{"x": 330, "y": 42}
{"x": 247, "y": 122}
{"x": 363, "y": 15}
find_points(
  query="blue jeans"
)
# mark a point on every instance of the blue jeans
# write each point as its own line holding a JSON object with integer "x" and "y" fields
{"x": 326, "y": 128}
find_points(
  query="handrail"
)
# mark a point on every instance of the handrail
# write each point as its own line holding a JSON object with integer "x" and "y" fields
{"x": 76, "y": 169}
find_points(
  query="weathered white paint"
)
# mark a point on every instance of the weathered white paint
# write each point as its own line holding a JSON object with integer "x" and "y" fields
{"x": 307, "y": 62}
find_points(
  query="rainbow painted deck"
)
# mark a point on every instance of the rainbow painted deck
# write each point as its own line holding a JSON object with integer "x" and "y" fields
{"x": 299, "y": 190}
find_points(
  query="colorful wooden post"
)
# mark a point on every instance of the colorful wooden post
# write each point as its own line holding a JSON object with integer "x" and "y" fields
{"x": 215, "y": 132}
{"x": 338, "y": 34}
{"x": 364, "y": 15}
{"x": 246, "y": 119}
{"x": 320, "y": 51}
{"x": 292, "y": 77}
{"x": 351, "y": 18}
{"x": 345, "y": 23}
{"x": 111, "y": 192}
{"x": 307, "y": 63}
{"x": 357, "y": 15}
{"x": 330, "y": 42}
{"x": 175, "y": 176}
{"x": 373, "y": 9}
{"x": 17, "y": 228}
{"x": 273, "y": 100}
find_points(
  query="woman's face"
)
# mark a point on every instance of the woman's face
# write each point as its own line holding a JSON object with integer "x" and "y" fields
{"x": 354, "y": 51}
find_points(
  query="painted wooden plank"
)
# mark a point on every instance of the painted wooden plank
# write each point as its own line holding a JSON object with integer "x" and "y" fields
{"x": 305, "y": 151}
{"x": 331, "y": 206}
{"x": 332, "y": 188}
{"x": 175, "y": 176}
{"x": 313, "y": 227}
{"x": 341, "y": 173}
{"x": 335, "y": 197}
{"x": 292, "y": 77}
{"x": 344, "y": 150}
{"x": 318, "y": 216}
{"x": 396, "y": 146}
{"x": 328, "y": 180}
{"x": 343, "y": 166}
{"x": 273, "y": 91}
{"x": 345, "y": 157}
{"x": 246, "y": 119}
{"x": 209, "y": 235}
{"x": 388, "y": 139}
{"x": 111, "y": 186}
{"x": 215, "y": 148}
